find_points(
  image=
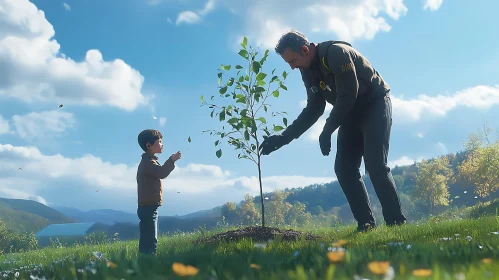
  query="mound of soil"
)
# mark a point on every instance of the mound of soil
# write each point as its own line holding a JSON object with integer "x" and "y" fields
{"x": 257, "y": 234}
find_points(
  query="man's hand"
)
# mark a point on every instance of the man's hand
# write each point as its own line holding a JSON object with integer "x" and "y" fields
{"x": 272, "y": 143}
{"x": 176, "y": 156}
{"x": 325, "y": 142}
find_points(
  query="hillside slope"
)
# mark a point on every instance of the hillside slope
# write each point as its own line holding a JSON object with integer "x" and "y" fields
{"x": 22, "y": 215}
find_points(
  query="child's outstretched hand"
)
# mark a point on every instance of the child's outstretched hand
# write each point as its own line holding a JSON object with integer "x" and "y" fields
{"x": 176, "y": 156}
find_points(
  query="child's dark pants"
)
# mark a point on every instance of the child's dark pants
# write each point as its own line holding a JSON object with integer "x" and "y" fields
{"x": 148, "y": 226}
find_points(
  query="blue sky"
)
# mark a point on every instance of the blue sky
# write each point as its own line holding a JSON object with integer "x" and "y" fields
{"x": 118, "y": 69}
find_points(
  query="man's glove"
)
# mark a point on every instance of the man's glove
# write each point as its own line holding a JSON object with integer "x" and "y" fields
{"x": 325, "y": 142}
{"x": 273, "y": 143}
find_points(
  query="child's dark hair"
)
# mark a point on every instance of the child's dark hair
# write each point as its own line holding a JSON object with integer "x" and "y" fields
{"x": 148, "y": 135}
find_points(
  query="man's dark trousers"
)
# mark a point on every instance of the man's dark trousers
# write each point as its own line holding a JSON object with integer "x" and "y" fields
{"x": 366, "y": 133}
{"x": 148, "y": 226}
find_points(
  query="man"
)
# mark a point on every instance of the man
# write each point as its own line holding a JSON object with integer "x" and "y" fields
{"x": 334, "y": 72}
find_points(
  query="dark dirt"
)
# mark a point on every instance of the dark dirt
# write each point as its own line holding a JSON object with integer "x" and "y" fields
{"x": 257, "y": 234}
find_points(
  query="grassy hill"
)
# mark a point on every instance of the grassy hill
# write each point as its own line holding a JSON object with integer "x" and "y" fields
{"x": 22, "y": 215}
{"x": 458, "y": 249}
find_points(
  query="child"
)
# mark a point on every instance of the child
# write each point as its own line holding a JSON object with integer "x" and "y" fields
{"x": 149, "y": 188}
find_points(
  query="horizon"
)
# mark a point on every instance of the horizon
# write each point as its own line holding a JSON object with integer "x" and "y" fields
{"x": 119, "y": 69}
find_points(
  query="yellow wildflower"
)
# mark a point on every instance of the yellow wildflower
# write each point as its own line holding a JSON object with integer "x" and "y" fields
{"x": 422, "y": 272}
{"x": 379, "y": 267}
{"x": 336, "y": 256}
{"x": 487, "y": 260}
{"x": 184, "y": 270}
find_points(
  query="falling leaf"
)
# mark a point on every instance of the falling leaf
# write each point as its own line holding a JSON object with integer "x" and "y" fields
{"x": 379, "y": 267}
{"x": 255, "y": 266}
{"x": 155, "y": 118}
{"x": 340, "y": 243}
{"x": 189, "y": 139}
{"x": 111, "y": 265}
{"x": 60, "y": 106}
{"x": 336, "y": 256}
{"x": 20, "y": 168}
{"x": 97, "y": 191}
{"x": 422, "y": 272}
{"x": 184, "y": 270}
{"x": 178, "y": 192}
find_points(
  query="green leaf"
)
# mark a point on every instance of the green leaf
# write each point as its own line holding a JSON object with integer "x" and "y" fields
{"x": 256, "y": 66}
{"x": 284, "y": 74}
{"x": 239, "y": 67}
{"x": 202, "y": 99}
{"x": 225, "y": 67}
{"x": 262, "y": 119}
{"x": 217, "y": 142}
{"x": 261, "y": 83}
{"x": 261, "y": 76}
{"x": 245, "y": 42}
{"x": 243, "y": 53}
{"x": 233, "y": 120}
{"x": 246, "y": 78}
{"x": 246, "y": 135}
{"x": 283, "y": 87}
{"x": 189, "y": 139}
{"x": 275, "y": 93}
{"x": 219, "y": 153}
{"x": 278, "y": 128}
{"x": 223, "y": 90}
{"x": 285, "y": 121}
{"x": 275, "y": 78}
{"x": 241, "y": 79}
{"x": 222, "y": 115}
{"x": 211, "y": 115}
{"x": 265, "y": 108}
{"x": 259, "y": 90}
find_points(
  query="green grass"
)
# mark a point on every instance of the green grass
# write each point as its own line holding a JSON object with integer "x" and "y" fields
{"x": 406, "y": 248}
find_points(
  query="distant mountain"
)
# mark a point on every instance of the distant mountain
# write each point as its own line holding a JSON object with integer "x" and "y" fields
{"x": 210, "y": 213}
{"x": 105, "y": 216}
{"x": 21, "y": 215}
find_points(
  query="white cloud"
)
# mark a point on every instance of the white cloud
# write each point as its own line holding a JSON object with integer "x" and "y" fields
{"x": 67, "y": 7}
{"x": 266, "y": 20}
{"x": 190, "y": 17}
{"x": 404, "y": 160}
{"x": 36, "y": 125}
{"x": 88, "y": 182}
{"x": 34, "y": 69}
{"x": 478, "y": 97}
{"x": 4, "y": 126}
{"x": 432, "y": 5}
{"x": 413, "y": 110}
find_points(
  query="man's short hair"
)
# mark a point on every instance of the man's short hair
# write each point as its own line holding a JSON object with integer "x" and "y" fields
{"x": 293, "y": 40}
{"x": 148, "y": 135}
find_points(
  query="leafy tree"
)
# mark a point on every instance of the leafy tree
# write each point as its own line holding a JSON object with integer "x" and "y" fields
{"x": 480, "y": 168}
{"x": 247, "y": 210}
{"x": 245, "y": 112}
{"x": 432, "y": 182}
{"x": 229, "y": 211}
{"x": 278, "y": 207}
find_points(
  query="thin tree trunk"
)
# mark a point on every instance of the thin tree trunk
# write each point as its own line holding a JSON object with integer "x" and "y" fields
{"x": 261, "y": 191}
